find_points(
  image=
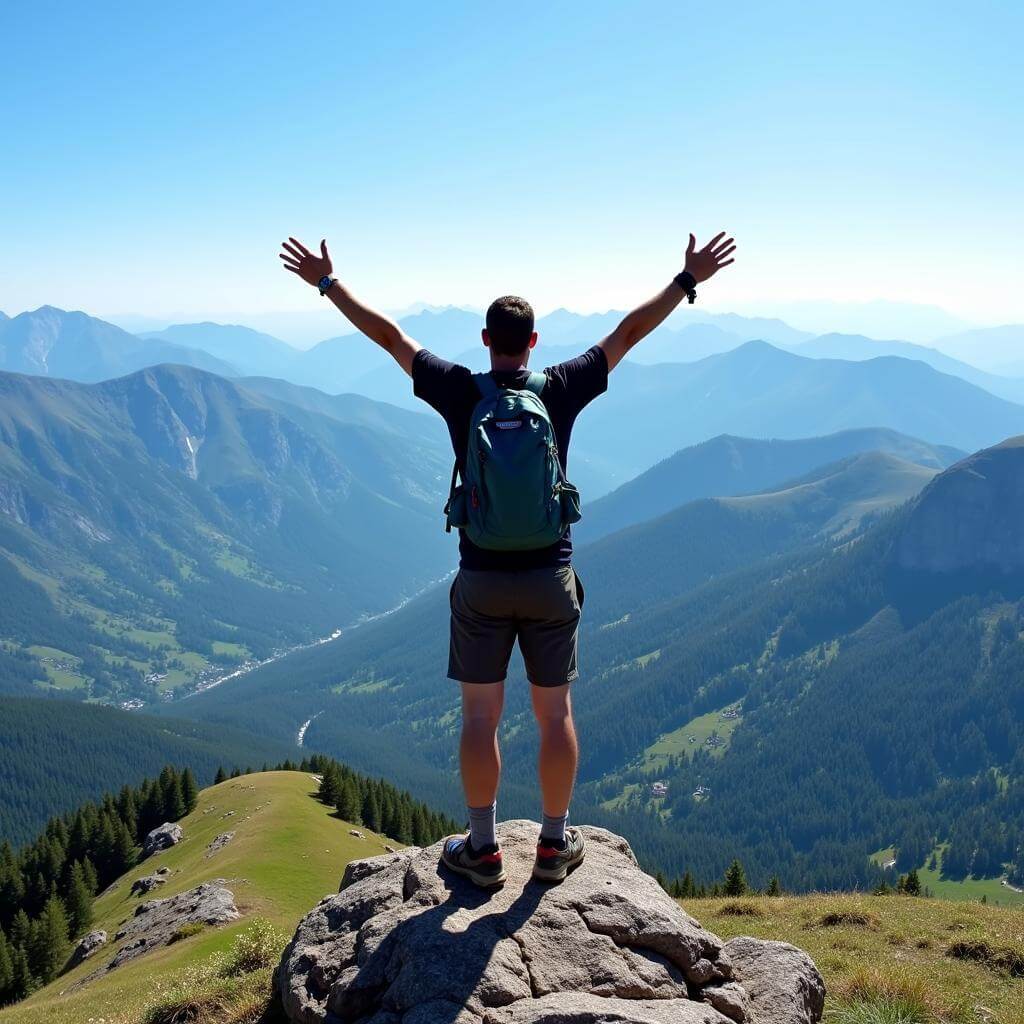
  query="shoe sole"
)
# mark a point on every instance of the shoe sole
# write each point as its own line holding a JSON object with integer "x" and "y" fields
{"x": 479, "y": 880}
{"x": 558, "y": 874}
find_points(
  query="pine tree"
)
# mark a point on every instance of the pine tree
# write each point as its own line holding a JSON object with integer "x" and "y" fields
{"x": 127, "y": 810}
{"x": 49, "y": 941}
{"x": 189, "y": 790}
{"x": 660, "y": 879}
{"x": 236, "y": 773}
{"x": 687, "y": 889}
{"x": 78, "y": 901}
{"x": 371, "y": 810}
{"x": 21, "y": 929}
{"x": 348, "y": 802}
{"x": 173, "y": 798}
{"x": 735, "y": 883}
{"x": 221, "y": 776}
{"x": 774, "y": 886}
{"x": 6, "y": 968}
{"x": 330, "y": 785}
{"x": 152, "y": 813}
{"x": 123, "y": 855}
{"x": 91, "y": 878}
{"x": 22, "y": 982}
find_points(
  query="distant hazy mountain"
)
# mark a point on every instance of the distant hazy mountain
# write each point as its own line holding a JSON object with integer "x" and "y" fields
{"x": 180, "y": 520}
{"x": 756, "y": 390}
{"x": 688, "y": 334}
{"x": 339, "y": 364}
{"x": 50, "y": 342}
{"x": 249, "y": 351}
{"x": 878, "y": 319}
{"x": 857, "y": 347}
{"x": 997, "y": 349}
{"x": 728, "y": 465}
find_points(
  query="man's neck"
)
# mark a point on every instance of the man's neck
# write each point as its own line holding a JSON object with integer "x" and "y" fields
{"x": 509, "y": 364}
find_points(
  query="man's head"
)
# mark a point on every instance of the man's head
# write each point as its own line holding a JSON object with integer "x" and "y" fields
{"x": 509, "y": 330}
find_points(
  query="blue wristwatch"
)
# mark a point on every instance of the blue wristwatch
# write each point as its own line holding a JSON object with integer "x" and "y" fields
{"x": 325, "y": 283}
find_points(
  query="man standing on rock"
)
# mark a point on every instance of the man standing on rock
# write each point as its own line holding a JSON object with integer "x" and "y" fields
{"x": 510, "y": 430}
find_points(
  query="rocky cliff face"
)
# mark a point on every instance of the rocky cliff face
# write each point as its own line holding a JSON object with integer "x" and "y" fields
{"x": 969, "y": 518}
{"x": 407, "y": 942}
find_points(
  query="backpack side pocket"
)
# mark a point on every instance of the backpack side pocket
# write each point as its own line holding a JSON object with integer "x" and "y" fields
{"x": 569, "y": 496}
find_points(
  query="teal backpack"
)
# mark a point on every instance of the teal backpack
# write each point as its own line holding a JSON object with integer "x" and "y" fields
{"x": 513, "y": 495}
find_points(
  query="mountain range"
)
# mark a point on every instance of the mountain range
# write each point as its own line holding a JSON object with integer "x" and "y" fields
{"x": 820, "y": 611}
{"x": 729, "y": 465}
{"x": 162, "y": 523}
{"x": 50, "y": 342}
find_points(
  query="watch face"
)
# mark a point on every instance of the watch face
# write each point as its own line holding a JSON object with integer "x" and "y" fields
{"x": 325, "y": 283}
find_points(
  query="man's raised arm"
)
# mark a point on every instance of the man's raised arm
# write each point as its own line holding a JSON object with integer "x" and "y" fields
{"x": 316, "y": 270}
{"x": 700, "y": 265}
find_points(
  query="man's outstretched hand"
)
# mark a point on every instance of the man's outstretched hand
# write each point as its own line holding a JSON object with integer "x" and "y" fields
{"x": 703, "y": 263}
{"x": 299, "y": 260}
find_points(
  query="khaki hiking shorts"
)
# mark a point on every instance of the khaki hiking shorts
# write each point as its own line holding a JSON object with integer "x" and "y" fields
{"x": 492, "y": 609}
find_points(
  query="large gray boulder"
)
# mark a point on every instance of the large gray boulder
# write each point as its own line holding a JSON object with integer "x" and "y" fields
{"x": 406, "y": 941}
{"x": 156, "y": 921}
{"x": 163, "y": 836}
{"x": 86, "y": 947}
{"x": 147, "y": 883}
{"x": 781, "y": 981}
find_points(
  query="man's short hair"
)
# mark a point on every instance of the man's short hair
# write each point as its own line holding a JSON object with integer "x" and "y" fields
{"x": 509, "y": 325}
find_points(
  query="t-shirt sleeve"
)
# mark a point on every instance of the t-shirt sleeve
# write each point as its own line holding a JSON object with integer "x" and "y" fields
{"x": 582, "y": 379}
{"x": 439, "y": 383}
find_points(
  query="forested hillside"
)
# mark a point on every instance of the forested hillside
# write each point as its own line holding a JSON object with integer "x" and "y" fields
{"x": 59, "y": 753}
{"x": 162, "y": 528}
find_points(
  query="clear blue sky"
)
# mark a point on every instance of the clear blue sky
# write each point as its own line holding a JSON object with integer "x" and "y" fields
{"x": 154, "y": 155}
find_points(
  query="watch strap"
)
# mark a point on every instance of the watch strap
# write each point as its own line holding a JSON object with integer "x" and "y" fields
{"x": 324, "y": 284}
{"x": 688, "y": 283}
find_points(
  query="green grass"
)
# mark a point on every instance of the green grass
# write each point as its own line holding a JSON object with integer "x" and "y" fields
{"x": 991, "y": 889}
{"x": 230, "y": 649}
{"x": 289, "y": 851}
{"x": 894, "y": 968}
{"x": 677, "y": 742}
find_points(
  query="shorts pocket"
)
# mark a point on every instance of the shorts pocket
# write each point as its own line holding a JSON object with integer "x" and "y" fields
{"x": 581, "y": 594}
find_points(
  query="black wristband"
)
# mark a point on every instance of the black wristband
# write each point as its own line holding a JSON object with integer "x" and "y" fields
{"x": 325, "y": 283}
{"x": 688, "y": 283}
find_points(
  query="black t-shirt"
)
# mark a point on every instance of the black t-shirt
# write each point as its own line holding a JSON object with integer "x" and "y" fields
{"x": 450, "y": 389}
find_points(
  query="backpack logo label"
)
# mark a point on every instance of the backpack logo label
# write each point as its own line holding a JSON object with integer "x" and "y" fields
{"x": 508, "y": 424}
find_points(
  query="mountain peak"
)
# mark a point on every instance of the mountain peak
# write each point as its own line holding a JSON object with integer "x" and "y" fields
{"x": 968, "y": 518}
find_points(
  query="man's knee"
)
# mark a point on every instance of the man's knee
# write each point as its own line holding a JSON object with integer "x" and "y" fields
{"x": 482, "y": 706}
{"x": 552, "y": 706}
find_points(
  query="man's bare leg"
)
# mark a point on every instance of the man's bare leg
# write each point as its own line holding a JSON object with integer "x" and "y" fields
{"x": 479, "y": 756}
{"x": 559, "y": 752}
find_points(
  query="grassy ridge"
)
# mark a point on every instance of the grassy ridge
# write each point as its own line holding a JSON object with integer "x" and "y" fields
{"x": 289, "y": 851}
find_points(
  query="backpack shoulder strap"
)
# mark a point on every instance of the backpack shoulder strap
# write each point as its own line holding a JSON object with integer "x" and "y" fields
{"x": 486, "y": 384}
{"x": 536, "y": 382}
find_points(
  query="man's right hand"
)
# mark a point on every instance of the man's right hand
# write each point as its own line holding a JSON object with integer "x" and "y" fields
{"x": 299, "y": 260}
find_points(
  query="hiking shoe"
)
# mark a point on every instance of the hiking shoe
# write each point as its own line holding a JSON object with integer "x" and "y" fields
{"x": 554, "y": 863}
{"x": 482, "y": 867}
